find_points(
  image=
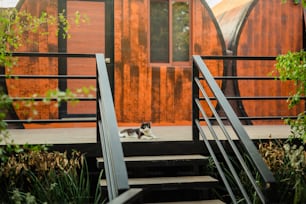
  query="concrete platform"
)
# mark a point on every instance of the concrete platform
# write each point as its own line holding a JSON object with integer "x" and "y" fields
{"x": 164, "y": 133}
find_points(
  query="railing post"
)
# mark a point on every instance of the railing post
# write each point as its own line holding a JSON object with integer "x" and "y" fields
{"x": 270, "y": 192}
{"x": 195, "y": 109}
{"x": 98, "y": 116}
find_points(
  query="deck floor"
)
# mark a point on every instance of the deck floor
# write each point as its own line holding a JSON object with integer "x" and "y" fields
{"x": 164, "y": 133}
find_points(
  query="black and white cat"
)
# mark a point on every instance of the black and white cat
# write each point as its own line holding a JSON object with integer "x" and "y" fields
{"x": 143, "y": 132}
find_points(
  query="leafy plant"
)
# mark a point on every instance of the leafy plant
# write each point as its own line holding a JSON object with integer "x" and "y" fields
{"x": 287, "y": 161}
{"x": 292, "y": 66}
{"x": 303, "y": 2}
{"x": 4, "y": 104}
{"x": 16, "y": 26}
{"x": 39, "y": 176}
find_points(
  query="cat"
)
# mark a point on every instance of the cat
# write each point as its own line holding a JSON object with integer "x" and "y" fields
{"x": 143, "y": 132}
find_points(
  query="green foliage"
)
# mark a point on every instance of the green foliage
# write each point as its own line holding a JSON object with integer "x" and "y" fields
{"x": 292, "y": 66}
{"x": 16, "y": 25}
{"x": 68, "y": 95}
{"x": 5, "y": 101}
{"x": 298, "y": 126}
{"x": 303, "y": 2}
{"x": 287, "y": 161}
{"x": 45, "y": 177}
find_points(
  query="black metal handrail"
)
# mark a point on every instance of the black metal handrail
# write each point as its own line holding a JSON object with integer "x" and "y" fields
{"x": 201, "y": 72}
{"x": 107, "y": 129}
{"x": 53, "y": 54}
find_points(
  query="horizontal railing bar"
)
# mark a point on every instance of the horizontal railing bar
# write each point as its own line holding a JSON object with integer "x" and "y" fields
{"x": 52, "y": 99}
{"x": 53, "y": 54}
{"x": 80, "y": 115}
{"x": 243, "y": 78}
{"x": 257, "y": 118}
{"x": 253, "y": 98}
{"x": 94, "y": 77}
{"x": 51, "y": 121}
{"x": 218, "y": 57}
{"x": 46, "y": 77}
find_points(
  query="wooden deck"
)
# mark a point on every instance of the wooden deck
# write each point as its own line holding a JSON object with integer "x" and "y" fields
{"x": 164, "y": 133}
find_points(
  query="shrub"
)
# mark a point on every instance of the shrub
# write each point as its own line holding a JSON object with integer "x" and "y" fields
{"x": 39, "y": 176}
{"x": 292, "y": 66}
{"x": 287, "y": 161}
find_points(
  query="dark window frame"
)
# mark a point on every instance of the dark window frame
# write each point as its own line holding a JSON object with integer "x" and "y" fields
{"x": 170, "y": 43}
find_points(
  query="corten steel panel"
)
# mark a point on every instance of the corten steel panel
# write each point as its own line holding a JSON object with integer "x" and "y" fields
{"x": 35, "y": 65}
{"x": 268, "y": 35}
{"x": 89, "y": 37}
{"x": 157, "y": 93}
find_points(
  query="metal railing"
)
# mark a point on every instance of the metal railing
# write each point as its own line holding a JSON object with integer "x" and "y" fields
{"x": 4, "y": 76}
{"x": 106, "y": 123}
{"x": 201, "y": 73}
{"x": 107, "y": 128}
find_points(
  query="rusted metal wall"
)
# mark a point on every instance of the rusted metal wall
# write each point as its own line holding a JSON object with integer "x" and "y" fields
{"x": 87, "y": 37}
{"x": 161, "y": 94}
{"x": 268, "y": 35}
{"x": 35, "y": 65}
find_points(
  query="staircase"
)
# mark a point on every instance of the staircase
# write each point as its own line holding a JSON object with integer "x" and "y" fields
{"x": 170, "y": 178}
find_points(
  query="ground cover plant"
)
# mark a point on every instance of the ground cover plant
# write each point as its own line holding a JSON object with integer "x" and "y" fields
{"x": 287, "y": 161}
{"x": 32, "y": 174}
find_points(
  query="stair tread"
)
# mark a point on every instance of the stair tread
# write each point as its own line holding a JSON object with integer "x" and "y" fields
{"x": 195, "y": 202}
{"x": 161, "y": 158}
{"x": 168, "y": 180}
{"x": 166, "y": 157}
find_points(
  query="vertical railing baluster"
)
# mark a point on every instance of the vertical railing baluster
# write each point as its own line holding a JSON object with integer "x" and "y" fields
{"x": 195, "y": 109}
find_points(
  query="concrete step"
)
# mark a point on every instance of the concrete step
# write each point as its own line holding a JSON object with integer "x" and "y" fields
{"x": 170, "y": 182}
{"x": 163, "y": 160}
{"x": 193, "y": 202}
{"x": 168, "y": 177}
